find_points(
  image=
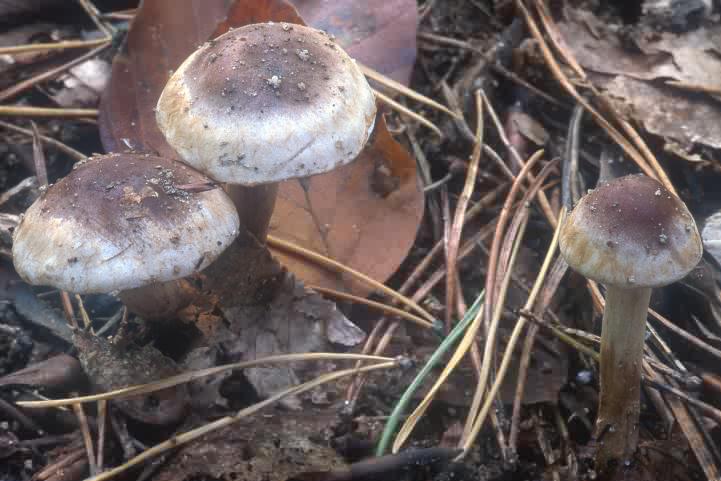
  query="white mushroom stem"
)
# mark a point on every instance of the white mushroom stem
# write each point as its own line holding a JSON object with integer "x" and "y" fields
{"x": 255, "y": 206}
{"x": 622, "y": 341}
{"x": 161, "y": 300}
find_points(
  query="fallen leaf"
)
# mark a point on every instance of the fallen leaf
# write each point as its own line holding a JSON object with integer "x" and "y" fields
{"x": 58, "y": 372}
{"x": 378, "y": 33}
{"x": 204, "y": 392}
{"x": 348, "y": 219}
{"x": 110, "y": 367}
{"x": 267, "y": 311}
{"x": 298, "y": 320}
{"x": 633, "y": 77}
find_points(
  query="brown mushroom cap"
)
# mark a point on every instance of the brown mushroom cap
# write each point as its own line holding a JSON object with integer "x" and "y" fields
{"x": 631, "y": 232}
{"x": 267, "y": 102}
{"x": 121, "y": 221}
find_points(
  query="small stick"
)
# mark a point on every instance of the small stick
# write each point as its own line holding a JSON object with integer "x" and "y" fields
{"x": 542, "y": 199}
{"x": 454, "y": 238}
{"x": 66, "y": 44}
{"x": 691, "y": 87}
{"x": 87, "y": 323}
{"x": 94, "y": 15}
{"x": 58, "y": 466}
{"x": 557, "y": 72}
{"x": 477, "y": 417}
{"x": 11, "y": 411}
{"x": 46, "y": 112}
{"x": 279, "y": 243}
{"x": 87, "y": 439}
{"x": 48, "y": 140}
{"x": 122, "y": 15}
{"x": 462, "y": 349}
{"x": 192, "y": 375}
{"x": 402, "y": 89}
{"x": 102, "y": 417}
{"x": 554, "y": 279}
{"x": 402, "y": 109}
{"x": 193, "y": 434}
{"x": 377, "y": 305}
{"x": 39, "y": 158}
{"x": 50, "y": 74}
{"x": 68, "y": 309}
{"x": 685, "y": 334}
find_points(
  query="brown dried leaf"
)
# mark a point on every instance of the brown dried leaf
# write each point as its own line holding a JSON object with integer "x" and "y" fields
{"x": 378, "y": 33}
{"x": 352, "y": 218}
{"x": 112, "y": 367}
{"x": 58, "y": 372}
{"x": 633, "y": 77}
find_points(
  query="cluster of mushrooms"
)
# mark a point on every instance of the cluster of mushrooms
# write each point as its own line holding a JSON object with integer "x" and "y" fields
{"x": 133, "y": 223}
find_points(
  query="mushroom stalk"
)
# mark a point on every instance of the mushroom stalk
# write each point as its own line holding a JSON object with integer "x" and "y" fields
{"x": 160, "y": 300}
{"x": 255, "y": 206}
{"x": 622, "y": 342}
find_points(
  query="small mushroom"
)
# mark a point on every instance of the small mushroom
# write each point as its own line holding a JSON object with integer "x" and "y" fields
{"x": 265, "y": 103}
{"x": 630, "y": 234}
{"x": 124, "y": 222}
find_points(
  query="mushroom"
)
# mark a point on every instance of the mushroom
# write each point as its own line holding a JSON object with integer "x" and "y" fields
{"x": 630, "y": 234}
{"x": 265, "y": 103}
{"x": 124, "y": 222}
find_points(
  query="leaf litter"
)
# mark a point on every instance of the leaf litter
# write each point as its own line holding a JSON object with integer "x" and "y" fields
{"x": 646, "y": 75}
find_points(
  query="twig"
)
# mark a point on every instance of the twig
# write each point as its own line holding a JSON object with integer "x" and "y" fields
{"x": 685, "y": 335}
{"x": 542, "y": 199}
{"x": 41, "y": 170}
{"x": 192, "y": 375}
{"x": 338, "y": 267}
{"x": 102, "y": 418}
{"x": 400, "y": 407}
{"x": 60, "y": 113}
{"x": 402, "y": 89}
{"x": 122, "y": 15}
{"x": 691, "y": 87}
{"x": 459, "y": 353}
{"x": 191, "y": 435}
{"x": 454, "y": 238}
{"x": 87, "y": 439}
{"x": 377, "y": 305}
{"x": 554, "y": 278}
{"x": 67, "y": 44}
{"x": 68, "y": 309}
{"x": 50, "y": 74}
{"x": 566, "y": 84}
{"x": 707, "y": 409}
{"x": 94, "y": 15}
{"x": 12, "y": 412}
{"x": 54, "y": 468}
{"x": 48, "y": 140}
{"x": 87, "y": 323}
{"x": 476, "y": 422}
{"x": 402, "y": 109}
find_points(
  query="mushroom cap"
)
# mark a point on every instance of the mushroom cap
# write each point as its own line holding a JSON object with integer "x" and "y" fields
{"x": 631, "y": 232}
{"x": 711, "y": 235}
{"x": 121, "y": 221}
{"x": 265, "y": 103}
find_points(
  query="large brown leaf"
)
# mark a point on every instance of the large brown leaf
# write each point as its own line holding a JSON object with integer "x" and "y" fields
{"x": 365, "y": 214}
